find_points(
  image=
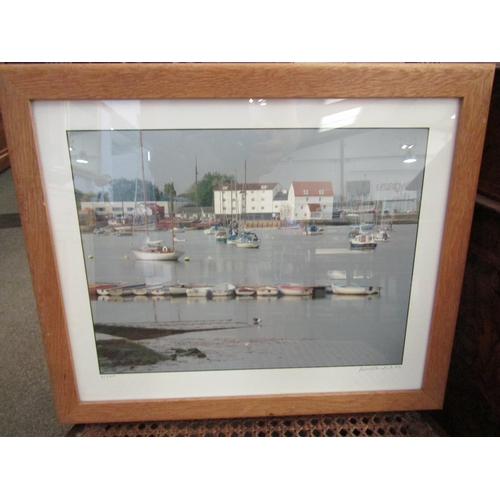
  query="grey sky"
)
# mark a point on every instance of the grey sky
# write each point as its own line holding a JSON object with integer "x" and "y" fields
{"x": 278, "y": 155}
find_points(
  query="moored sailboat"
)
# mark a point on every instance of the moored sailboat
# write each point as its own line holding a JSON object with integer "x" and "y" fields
{"x": 363, "y": 242}
{"x": 233, "y": 237}
{"x": 313, "y": 230}
{"x": 157, "y": 252}
{"x": 248, "y": 240}
{"x": 381, "y": 236}
{"x": 221, "y": 235}
{"x": 154, "y": 250}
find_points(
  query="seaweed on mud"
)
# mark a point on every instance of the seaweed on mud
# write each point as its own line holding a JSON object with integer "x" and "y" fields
{"x": 121, "y": 352}
{"x": 190, "y": 352}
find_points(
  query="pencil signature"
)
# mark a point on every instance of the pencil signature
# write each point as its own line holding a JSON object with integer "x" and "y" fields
{"x": 373, "y": 368}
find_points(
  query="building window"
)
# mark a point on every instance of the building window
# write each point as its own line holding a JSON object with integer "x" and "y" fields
{"x": 321, "y": 191}
{"x": 224, "y": 188}
{"x": 307, "y": 199}
{"x": 319, "y": 199}
{"x": 253, "y": 199}
{"x": 262, "y": 208}
{"x": 306, "y": 191}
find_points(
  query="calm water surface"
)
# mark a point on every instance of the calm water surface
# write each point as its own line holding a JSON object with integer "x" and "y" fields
{"x": 285, "y": 256}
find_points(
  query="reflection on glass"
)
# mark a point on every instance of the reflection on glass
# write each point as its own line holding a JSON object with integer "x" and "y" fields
{"x": 305, "y": 195}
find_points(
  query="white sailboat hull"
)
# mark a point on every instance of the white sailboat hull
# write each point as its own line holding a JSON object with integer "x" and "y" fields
{"x": 248, "y": 244}
{"x": 155, "y": 254}
{"x": 295, "y": 290}
{"x": 355, "y": 290}
{"x": 267, "y": 291}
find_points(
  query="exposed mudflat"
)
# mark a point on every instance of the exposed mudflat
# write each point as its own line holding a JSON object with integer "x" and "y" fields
{"x": 143, "y": 332}
{"x": 188, "y": 353}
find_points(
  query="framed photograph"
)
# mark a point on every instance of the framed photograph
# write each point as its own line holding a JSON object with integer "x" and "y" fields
{"x": 236, "y": 240}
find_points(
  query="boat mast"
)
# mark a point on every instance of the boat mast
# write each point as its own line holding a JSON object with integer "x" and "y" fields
{"x": 171, "y": 209}
{"x": 135, "y": 204}
{"x": 146, "y": 219}
{"x": 220, "y": 203}
{"x": 342, "y": 187}
{"x": 231, "y": 201}
{"x": 196, "y": 184}
{"x": 236, "y": 198}
{"x": 244, "y": 207}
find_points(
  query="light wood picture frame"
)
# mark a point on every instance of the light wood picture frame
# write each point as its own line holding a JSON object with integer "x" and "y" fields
{"x": 24, "y": 86}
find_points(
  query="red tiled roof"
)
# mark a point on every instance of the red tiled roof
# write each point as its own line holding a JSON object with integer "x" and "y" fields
{"x": 313, "y": 188}
{"x": 314, "y": 207}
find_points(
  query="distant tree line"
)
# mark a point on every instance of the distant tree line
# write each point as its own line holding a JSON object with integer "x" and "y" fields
{"x": 130, "y": 190}
{"x": 206, "y": 188}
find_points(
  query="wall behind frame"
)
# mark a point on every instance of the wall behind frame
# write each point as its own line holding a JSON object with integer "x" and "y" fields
{"x": 472, "y": 401}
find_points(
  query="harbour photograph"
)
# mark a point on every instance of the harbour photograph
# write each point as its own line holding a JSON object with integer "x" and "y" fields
{"x": 242, "y": 249}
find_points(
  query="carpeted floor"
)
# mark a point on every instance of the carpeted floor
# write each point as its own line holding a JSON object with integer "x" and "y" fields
{"x": 26, "y": 404}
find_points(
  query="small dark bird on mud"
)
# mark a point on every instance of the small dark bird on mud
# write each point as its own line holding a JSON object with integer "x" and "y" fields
{"x": 256, "y": 321}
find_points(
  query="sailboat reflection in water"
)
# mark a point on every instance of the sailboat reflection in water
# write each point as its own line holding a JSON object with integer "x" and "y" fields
{"x": 155, "y": 250}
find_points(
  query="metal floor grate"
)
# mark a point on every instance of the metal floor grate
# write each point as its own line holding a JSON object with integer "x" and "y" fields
{"x": 403, "y": 424}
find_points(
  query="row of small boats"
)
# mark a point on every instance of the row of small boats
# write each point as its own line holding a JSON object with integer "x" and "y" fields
{"x": 249, "y": 239}
{"x": 359, "y": 239}
{"x": 246, "y": 239}
{"x": 224, "y": 290}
